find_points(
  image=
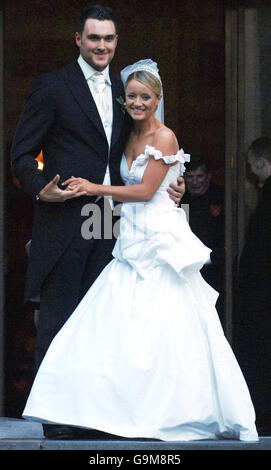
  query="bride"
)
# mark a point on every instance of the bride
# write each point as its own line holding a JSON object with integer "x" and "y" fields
{"x": 144, "y": 354}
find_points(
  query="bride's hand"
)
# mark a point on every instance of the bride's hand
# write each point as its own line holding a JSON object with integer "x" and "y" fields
{"x": 82, "y": 185}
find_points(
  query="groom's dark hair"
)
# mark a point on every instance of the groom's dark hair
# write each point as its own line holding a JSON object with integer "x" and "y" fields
{"x": 97, "y": 12}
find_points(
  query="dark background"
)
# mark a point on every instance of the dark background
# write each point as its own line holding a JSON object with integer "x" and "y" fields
{"x": 185, "y": 37}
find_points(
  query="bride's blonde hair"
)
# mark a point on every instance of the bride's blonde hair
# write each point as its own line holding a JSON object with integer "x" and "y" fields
{"x": 147, "y": 79}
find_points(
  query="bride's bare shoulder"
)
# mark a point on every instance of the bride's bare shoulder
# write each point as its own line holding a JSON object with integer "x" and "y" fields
{"x": 166, "y": 141}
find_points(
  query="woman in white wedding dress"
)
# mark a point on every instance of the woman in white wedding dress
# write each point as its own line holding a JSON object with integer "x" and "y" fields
{"x": 144, "y": 354}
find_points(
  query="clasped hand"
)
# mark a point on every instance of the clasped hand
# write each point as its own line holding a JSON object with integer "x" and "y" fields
{"x": 76, "y": 187}
{"x": 81, "y": 185}
{"x": 176, "y": 192}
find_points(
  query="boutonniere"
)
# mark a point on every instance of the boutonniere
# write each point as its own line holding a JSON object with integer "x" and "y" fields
{"x": 215, "y": 210}
{"x": 122, "y": 103}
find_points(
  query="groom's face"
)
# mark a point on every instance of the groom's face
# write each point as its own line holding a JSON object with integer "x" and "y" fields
{"x": 97, "y": 43}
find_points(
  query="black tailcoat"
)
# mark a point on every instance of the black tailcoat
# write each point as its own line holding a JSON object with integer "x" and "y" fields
{"x": 61, "y": 118}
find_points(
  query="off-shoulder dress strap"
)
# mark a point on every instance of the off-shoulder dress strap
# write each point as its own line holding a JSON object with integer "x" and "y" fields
{"x": 180, "y": 156}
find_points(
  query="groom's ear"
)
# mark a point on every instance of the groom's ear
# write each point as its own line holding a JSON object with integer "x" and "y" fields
{"x": 77, "y": 37}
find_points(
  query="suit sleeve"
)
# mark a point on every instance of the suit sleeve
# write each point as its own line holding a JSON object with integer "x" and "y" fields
{"x": 30, "y": 136}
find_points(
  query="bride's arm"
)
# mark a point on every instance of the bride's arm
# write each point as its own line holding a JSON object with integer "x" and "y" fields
{"x": 153, "y": 176}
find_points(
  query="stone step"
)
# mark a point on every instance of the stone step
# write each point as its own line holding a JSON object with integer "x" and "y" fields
{"x": 18, "y": 434}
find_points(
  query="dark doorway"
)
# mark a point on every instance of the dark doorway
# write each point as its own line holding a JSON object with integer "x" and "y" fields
{"x": 187, "y": 41}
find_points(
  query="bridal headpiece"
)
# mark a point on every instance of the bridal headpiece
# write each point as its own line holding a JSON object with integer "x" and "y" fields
{"x": 147, "y": 65}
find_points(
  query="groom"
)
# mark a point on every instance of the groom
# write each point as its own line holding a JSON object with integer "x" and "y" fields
{"x": 73, "y": 116}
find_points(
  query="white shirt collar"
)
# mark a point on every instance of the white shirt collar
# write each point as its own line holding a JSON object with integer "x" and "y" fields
{"x": 88, "y": 70}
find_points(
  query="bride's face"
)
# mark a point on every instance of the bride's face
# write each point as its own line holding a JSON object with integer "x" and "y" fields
{"x": 141, "y": 101}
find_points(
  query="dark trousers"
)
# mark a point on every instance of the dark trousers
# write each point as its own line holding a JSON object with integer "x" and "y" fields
{"x": 252, "y": 343}
{"x": 67, "y": 283}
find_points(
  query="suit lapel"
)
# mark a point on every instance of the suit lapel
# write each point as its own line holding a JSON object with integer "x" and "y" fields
{"x": 118, "y": 114}
{"x": 77, "y": 83}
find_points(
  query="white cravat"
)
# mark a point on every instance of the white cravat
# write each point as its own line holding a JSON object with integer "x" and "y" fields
{"x": 103, "y": 106}
{"x": 106, "y": 114}
{"x": 100, "y": 86}
{"x": 99, "y": 80}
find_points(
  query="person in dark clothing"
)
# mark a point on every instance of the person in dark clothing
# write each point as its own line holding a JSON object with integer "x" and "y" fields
{"x": 206, "y": 219}
{"x": 253, "y": 315}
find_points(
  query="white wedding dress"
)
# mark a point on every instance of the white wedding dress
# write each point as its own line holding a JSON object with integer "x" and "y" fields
{"x": 144, "y": 354}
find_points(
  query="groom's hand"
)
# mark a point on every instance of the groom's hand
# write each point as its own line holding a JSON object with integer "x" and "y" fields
{"x": 52, "y": 193}
{"x": 176, "y": 191}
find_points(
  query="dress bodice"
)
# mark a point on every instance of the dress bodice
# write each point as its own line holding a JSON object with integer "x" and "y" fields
{"x": 156, "y": 232}
{"x": 139, "y": 165}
